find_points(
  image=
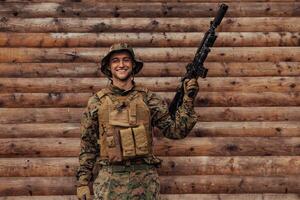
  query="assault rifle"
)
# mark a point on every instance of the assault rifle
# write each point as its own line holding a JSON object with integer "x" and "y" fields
{"x": 196, "y": 68}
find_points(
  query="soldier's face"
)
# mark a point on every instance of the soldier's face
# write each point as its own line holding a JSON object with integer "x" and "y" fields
{"x": 121, "y": 65}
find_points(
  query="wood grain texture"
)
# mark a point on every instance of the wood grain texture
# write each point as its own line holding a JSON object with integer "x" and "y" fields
{"x": 205, "y": 114}
{"x": 99, "y": 25}
{"x": 50, "y": 130}
{"x": 150, "y": 69}
{"x": 203, "y": 99}
{"x": 135, "y": 1}
{"x": 172, "y": 39}
{"x": 228, "y": 184}
{"x": 157, "y": 84}
{"x": 205, "y": 146}
{"x": 177, "y": 197}
{"x": 246, "y": 129}
{"x": 201, "y": 129}
{"x": 218, "y": 54}
{"x": 196, "y": 165}
{"x": 142, "y": 9}
{"x": 170, "y": 185}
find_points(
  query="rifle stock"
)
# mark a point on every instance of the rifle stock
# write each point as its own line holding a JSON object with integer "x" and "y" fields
{"x": 196, "y": 68}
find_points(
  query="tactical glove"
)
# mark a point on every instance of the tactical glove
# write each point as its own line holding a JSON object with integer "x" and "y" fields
{"x": 191, "y": 89}
{"x": 83, "y": 193}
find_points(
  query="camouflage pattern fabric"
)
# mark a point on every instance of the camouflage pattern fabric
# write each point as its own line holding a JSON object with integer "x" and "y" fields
{"x": 174, "y": 129}
{"x": 131, "y": 185}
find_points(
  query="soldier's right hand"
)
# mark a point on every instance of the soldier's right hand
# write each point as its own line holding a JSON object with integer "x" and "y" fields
{"x": 191, "y": 88}
{"x": 83, "y": 193}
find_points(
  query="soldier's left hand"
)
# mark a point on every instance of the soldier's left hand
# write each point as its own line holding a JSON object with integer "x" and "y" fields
{"x": 83, "y": 193}
{"x": 191, "y": 88}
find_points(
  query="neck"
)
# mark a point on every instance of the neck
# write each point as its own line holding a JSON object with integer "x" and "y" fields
{"x": 125, "y": 85}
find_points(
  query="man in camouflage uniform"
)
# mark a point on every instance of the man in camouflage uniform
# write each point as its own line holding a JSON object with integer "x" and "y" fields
{"x": 116, "y": 132}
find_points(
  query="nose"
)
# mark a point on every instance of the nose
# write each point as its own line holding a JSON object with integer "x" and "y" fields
{"x": 121, "y": 64}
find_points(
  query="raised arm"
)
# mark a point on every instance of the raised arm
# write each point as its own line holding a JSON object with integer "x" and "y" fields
{"x": 185, "y": 117}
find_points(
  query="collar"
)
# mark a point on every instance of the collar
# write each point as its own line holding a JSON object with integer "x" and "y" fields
{"x": 119, "y": 91}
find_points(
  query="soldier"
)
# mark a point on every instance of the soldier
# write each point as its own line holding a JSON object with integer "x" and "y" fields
{"x": 116, "y": 130}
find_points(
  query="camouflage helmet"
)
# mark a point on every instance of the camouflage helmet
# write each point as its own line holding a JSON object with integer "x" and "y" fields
{"x": 137, "y": 65}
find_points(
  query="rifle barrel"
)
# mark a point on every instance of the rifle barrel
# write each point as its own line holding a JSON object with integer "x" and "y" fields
{"x": 222, "y": 10}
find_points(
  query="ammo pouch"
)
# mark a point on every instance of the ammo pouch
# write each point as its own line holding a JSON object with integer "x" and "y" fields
{"x": 114, "y": 149}
{"x": 141, "y": 141}
{"x": 133, "y": 142}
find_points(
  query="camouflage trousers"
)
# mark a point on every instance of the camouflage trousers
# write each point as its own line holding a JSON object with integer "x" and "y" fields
{"x": 140, "y": 184}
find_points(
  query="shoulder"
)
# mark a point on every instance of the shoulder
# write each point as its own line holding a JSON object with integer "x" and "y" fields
{"x": 141, "y": 89}
{"x": 94, "y": 102}
{"x": 102, "y": 93}
{"x": 150, "y": 97}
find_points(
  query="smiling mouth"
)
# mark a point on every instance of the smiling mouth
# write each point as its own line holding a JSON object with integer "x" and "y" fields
{"x": 121, "y": 70}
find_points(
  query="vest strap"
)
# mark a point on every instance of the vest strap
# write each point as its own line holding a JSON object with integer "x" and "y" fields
{"x": 103, "y": 92}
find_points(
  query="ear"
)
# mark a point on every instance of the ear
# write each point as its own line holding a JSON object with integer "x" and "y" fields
{"x": 109, "y": 71}
{"x": 133, "y": 67}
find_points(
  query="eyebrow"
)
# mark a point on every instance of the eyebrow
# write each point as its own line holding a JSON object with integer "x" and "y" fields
{"x": 121, "y": 58}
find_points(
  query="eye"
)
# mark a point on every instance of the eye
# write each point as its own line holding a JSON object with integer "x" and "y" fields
{"x": 127, "y": 59}
{"x": 114, "y": 60}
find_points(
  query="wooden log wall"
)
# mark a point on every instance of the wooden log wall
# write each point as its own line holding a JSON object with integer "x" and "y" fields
{"x": 246, "y": 144}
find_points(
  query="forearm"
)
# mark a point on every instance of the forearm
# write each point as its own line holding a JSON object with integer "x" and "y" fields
{"x": 86, "y": 164}
{"x": 87, "y": 157}
{"x": 185, "y": 120}
{"x": 180, "y": 126}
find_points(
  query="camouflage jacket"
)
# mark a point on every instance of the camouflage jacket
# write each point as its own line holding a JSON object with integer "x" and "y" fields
{"x": 174, "y": 129}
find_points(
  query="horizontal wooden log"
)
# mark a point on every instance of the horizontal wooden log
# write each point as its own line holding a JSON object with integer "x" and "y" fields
{"x": 229, "y": 39}
{"x": 245, "y": 165}
{"x": 228, "y": 184}
{"x": 219, "y": 146}
{"x": 48, "y": 197}
{"x": 201, "y": 129}
{"x": 27, "y": 167}
{"x": 204, "y": 99}
{"x": 183, "y": 1}
{"x": 130, "y": 9}
{"x": 197, "y": 165}
{"x": 30, "y": 70}
{"x": 157, "y": 84}
{"x": 169, "y": 185}
{"x": 150, "y": 69}
{"x": 81, "y": 25}
{"x": 31, "y": 100}
{"x": 234, "y": 146}
{"x": 177, "y": 197}
{"x": 228, "y": 197}
{"x": 248, "y": 113}
{"x": 68, "y": 130}
{"x": 38, "y": 147}
{"x": 37, "y": 186}
{"x": 40, "y": 115}
{"x": 205, "y": 114}
{"x": 246, "y": 129}
{"x": 120, "y": 1}
{"x": 244, "y": 99}
{"x": 218, "y": 54}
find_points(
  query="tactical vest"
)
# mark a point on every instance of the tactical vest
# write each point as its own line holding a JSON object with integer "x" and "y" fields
{"x": 124, "y": 126}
